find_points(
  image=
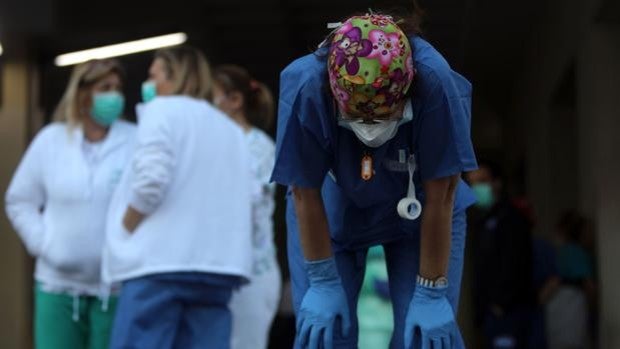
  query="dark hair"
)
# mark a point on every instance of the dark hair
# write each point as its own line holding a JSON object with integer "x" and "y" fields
{"x": 408, "y": 20}
{"x": 571, "y": 224}
{"x": 258, "y": 104}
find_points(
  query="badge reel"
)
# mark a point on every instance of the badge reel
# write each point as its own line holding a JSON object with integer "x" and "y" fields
{"x": 410, "y": 207}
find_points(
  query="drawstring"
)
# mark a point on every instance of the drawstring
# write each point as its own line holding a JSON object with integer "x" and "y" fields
{"x": 104, "y": 303}
{"x": 76, "y": 307}
{"x": 106, "y": 290}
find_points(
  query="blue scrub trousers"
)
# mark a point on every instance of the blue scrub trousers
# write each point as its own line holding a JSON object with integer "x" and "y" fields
{"x": 164, "y": 311}
{"x": 402, "y": 258}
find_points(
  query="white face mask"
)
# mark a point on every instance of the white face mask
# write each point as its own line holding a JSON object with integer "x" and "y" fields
{"x": 377, "y": 134}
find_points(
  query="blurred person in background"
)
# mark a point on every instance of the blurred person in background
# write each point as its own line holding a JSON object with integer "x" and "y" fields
{"x": 546, "y": 281}
{"x": 283, "y": 329}
{"x": 357, "y": 134}
{"x": 568, "y": 311}
{"x": 374, "y": 310}
{"x": 250, "y": 104}
{"x": 544, "y": 273}
{"x": 57, "y": 202}
{"x": 502, "y": 250}
{"x": 589, "y": 243}
{"x": 179, "y": 226}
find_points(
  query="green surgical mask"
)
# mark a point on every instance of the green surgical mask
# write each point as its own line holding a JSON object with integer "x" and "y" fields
{"x": 484, "y": 195}
{"x": 107, "y": 107}
{"x": 149, "y": 91}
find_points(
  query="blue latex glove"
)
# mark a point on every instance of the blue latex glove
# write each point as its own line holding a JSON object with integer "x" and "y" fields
{"x": 430, "y": 320}
{"x": 323, "y": 304}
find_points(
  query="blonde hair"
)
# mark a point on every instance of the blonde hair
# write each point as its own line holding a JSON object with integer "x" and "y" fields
{"x": 83, "y": 77}
{"x": 189, "y": 71}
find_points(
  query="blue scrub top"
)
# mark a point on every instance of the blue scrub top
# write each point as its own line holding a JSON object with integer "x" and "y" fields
{"x": 313, "y": 151}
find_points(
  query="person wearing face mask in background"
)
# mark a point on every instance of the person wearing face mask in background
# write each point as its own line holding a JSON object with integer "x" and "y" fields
{"x": 373, "y": 135}
{"x": 504, "y": 295}
{"x": 57, "y": 202}
{"x": 179, "y": 225}
{"x": 250, "y": 104}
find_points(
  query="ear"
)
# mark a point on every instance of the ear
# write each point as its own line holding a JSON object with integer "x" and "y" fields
{"x": 165, "y": 87}
{"x": 235, "y": 100}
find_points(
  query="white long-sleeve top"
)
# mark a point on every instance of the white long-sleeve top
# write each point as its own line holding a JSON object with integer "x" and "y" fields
{"x": 262, "y": 152}
{"x": 58, "y": 200}
{"x": 190, "y": 175}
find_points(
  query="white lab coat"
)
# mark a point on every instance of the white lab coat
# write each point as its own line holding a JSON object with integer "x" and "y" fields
{"x": 57, "y": 202}
{"x": 190, "y": 175}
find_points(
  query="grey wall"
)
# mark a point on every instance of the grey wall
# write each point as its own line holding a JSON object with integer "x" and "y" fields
{"x": 16, "y": 123}
{"x": 599, "y": 120}
{"x": 570, "y": 133}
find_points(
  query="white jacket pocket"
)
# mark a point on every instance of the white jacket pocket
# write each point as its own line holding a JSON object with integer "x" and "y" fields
{"x": 73, "y": 253}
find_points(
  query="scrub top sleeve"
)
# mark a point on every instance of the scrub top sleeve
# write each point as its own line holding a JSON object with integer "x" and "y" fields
{"x": 444, "y": 143}
{"x": 302, "y": 157}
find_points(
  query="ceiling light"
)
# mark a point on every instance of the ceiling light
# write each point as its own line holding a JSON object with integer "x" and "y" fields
{"x": 122, "y": 49}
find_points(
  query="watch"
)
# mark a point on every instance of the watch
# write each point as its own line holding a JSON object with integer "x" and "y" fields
{"x": 441, "y": 281}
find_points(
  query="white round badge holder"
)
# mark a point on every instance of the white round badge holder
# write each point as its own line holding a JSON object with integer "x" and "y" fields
{"x": 410, "y": 207}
